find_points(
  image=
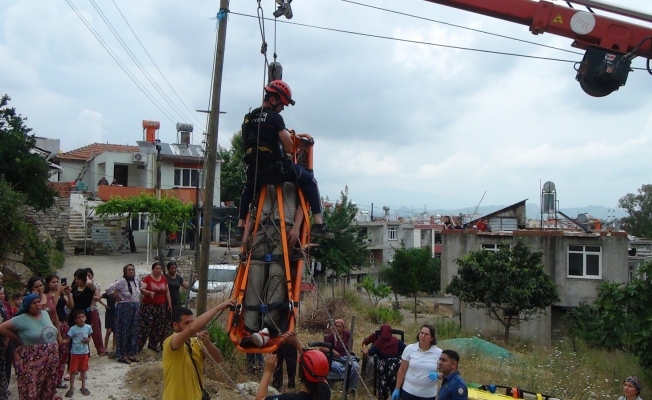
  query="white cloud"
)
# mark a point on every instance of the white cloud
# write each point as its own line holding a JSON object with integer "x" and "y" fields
{"x": 400, "y": 123}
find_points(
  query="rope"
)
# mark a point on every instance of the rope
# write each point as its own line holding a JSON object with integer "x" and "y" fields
{"x": 222, "y": 370}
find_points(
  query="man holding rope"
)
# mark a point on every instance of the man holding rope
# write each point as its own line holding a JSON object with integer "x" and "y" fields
{"x": 184, "y": 353}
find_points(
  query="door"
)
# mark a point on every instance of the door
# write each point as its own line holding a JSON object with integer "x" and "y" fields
{"x": 121, "y": 174}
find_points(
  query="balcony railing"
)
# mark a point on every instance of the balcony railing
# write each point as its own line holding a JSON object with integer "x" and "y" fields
{"x": 105, "y": 192}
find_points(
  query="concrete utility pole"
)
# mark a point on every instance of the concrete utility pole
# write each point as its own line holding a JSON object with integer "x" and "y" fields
{"x": 211, "y": 162}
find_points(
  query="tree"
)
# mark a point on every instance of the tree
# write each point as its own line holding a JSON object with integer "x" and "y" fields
{"x": 24, "y": 171}
{"x": 413, "y": 271}
{"x": 232, "y": 169}
{"x": 13, "y": 222}
{"x": 620, "y": 318}
{"x": 167, "y": 214}
{"x": 347, "y": 250}
{"x": 375, "y": 293}
{"x": 511, "y": 284}
{"x": 638, "y": 222}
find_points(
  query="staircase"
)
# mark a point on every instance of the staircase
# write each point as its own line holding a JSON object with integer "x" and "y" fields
{"x": 76, "y": 230}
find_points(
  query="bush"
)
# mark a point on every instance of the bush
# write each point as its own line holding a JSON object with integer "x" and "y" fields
{"x": 384, "y": 315}
{"x": 221, "y": 339}
{"x": 37, "y": 253}
{"x": 314, "y": 315}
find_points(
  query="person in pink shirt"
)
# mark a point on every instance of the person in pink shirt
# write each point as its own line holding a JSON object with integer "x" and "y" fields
{"x": 155, "y": 309}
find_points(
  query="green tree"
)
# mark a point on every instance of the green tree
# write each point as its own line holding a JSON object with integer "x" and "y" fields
{"x": 638, "y": 222}
{"x": 166, "y": 214}
{"x": 232, "y": 170}
{"x": 511, "y": 284}
{"x": 25, "y": 171}
{"x": 347, "y": 250}
{"x": 413, "y": 271}
{"x": 13, "y": 222}
{"x": 375, "y": 293}
{"x": 620, "y": 318}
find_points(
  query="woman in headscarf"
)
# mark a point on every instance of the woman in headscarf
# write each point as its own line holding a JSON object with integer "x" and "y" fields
{"x": 126, "y": 293}
{"x": 631, "y": 389}
{"x": 37, "y": 350}
{"x": 61, "y": 297}
{"x": 389, "y": 350}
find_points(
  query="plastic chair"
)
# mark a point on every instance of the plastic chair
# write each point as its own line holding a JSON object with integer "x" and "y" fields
{"x": 331, "y": 378}
{"x": 81, "y": 186}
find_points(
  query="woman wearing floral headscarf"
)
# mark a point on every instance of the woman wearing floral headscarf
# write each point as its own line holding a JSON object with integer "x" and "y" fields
{"x": 631, "y": 389}
{"x": 126, "y": 293}
{"x": 37, "y": 350}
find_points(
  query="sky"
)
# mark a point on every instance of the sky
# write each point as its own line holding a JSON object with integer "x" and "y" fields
{"x": 398, "y": 123}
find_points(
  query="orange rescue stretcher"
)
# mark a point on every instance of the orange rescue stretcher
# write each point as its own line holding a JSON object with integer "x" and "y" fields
{"x": 267, "y": 286}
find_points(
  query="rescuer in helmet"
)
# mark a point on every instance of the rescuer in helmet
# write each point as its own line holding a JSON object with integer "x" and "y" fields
{"x": 266, "y": 143}
{"x": 313, "y": 370}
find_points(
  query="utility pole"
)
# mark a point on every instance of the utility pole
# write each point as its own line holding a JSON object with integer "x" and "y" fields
{"x": 211, "y": 162}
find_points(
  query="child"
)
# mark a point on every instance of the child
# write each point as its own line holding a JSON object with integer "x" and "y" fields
{"x": 16, "y": 302}
{"x": 80, "y": 335}
{"x": 109, "y": 317}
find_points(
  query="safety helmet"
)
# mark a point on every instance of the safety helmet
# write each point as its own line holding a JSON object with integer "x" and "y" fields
{"x": 315, "y": 365}
{"x": 282, "y": 89}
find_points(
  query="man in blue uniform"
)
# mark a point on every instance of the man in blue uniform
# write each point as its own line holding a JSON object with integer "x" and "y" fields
{"x": 453, "y": 386}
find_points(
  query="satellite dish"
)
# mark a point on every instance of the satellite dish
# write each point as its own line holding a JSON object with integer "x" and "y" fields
{"x": 581, "y": 218}
{"x": 548, "y": 187}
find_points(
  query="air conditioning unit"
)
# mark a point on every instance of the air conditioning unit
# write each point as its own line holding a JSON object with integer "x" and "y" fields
{"x": 140, "y": 158}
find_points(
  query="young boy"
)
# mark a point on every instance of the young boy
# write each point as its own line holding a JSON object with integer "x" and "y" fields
{"x": 109, "y": 320}
{"x": 16, "y": 302}
{"x": 80, "y": 335}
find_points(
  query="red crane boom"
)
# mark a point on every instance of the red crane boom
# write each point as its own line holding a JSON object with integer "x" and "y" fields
{"x": 610, "y": 44}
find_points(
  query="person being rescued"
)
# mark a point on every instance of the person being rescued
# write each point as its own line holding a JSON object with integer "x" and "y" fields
{"x": 266, "y": 142}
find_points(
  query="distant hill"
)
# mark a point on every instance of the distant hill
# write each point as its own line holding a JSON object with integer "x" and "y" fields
{"x": 532, "y": 211}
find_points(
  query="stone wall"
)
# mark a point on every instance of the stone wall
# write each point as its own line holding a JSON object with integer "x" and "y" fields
{"x": 108, "y": 236}
{"x": 55, "y": 221}
{"x": 185, "y": 266}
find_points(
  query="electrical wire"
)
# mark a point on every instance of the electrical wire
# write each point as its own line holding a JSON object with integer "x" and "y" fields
{"x": 119, "y": 62}
{"x": 156, "y": 66}
{"x": 462, "y": 27}
{"x": 422, "y": 42}
{"x": 413, "y": 41}
{"x": 135, "y": 59}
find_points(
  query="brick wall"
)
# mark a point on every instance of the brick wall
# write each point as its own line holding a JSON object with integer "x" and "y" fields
{"x": 108, "y": 236}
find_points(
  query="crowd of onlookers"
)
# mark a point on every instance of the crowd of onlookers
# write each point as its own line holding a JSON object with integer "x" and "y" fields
{"x": 52, "y": 322}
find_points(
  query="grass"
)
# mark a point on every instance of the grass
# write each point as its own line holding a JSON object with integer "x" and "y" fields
{"x": 557, "y": 370}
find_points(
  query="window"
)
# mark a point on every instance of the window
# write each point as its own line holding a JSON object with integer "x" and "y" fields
{"x": 390, "y": 255}
{"x": 372, "y": 258}
{"x": 494, "y": 247}
{"x": 392, "y": 233}
{"x": 362, "y": 231}
{"x": 139, "y": 222}
{"x": 186, "y": 177}
{"x": 585, "y": 261}
{"x": 437, "y": 238}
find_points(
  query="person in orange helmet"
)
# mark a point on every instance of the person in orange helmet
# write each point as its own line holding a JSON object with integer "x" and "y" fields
{"x": 266, "y": 143}
{"x": 313, "y": 371}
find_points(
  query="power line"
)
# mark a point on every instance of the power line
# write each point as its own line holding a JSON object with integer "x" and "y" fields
{"x": 156, "y": 66}
{"x": 134, "y": 58}
{"x": 461, "y": 27}
{"x": 421, "y": 42}
{"x": 412, "y": 41}
{"x": 119, "y": 62}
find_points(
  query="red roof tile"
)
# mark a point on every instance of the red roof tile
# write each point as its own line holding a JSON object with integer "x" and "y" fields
{"x": 86, "y": 152}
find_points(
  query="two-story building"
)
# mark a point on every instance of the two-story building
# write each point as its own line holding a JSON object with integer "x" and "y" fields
{"x": 109, "y": 170}
{"x": 577, "y": 261}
